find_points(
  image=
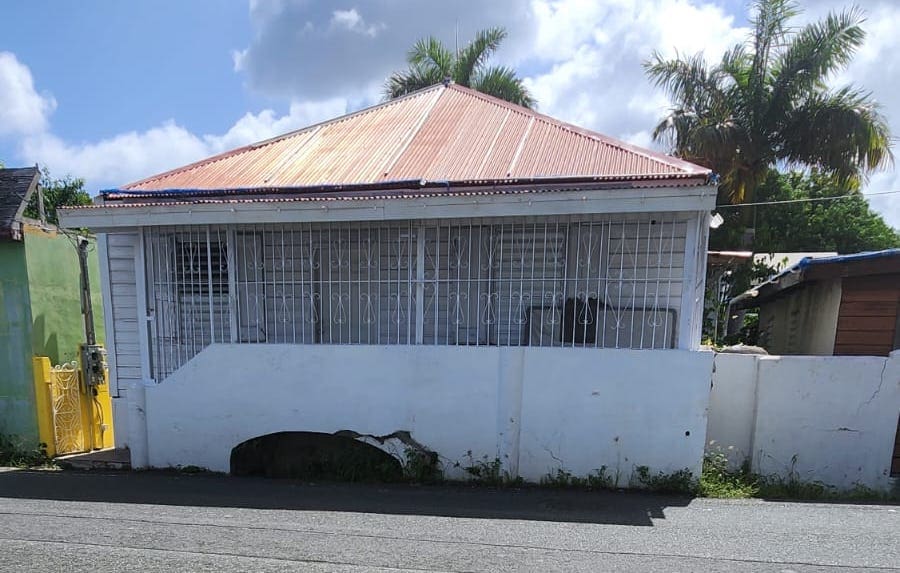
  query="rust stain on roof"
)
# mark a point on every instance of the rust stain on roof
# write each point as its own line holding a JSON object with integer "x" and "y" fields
{"x": 440, "y": 133}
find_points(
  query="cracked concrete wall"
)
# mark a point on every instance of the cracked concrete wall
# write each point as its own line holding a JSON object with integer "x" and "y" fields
{"x": 583, "y": 410}
{"x": 535, "y": 409}
{"x": 830, "y": 419}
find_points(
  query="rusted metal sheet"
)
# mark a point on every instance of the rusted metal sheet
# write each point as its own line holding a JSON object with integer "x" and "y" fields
{"x": 438, "y": 134}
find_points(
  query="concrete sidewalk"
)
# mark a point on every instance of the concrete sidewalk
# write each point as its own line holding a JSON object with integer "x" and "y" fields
{"x": 154, "y": 521}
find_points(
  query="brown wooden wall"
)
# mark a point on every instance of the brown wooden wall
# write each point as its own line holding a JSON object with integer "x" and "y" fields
{"x": 867, "y": 319}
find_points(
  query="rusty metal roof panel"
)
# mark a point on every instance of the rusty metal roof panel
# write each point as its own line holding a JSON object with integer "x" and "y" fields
{"x": 16, "y": 187}
{"x": 441, "y": 133}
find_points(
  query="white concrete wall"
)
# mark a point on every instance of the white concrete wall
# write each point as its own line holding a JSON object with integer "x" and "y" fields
{"x": 620, "y": 409}
{"x": 732, "y": 407}
{"x": 817, "y": 418}
{"x": 537, "y": 409}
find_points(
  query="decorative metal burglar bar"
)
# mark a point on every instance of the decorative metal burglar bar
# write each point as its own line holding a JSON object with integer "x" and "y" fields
{"x": 561, "y": 281}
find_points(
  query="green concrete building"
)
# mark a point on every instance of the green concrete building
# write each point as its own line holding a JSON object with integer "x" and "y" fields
{"x": 40, "y": 302}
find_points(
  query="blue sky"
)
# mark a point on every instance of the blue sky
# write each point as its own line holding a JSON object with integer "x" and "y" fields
{"x": 114, "y": 66}
{"x": 115, "y": 91}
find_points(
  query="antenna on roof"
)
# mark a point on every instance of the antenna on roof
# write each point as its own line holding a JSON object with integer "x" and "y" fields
{"x": 447, "y": 78}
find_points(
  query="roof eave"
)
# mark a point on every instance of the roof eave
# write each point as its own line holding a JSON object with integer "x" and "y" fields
{"x": 459, "y": 203}
{"x": 681, "y": 179}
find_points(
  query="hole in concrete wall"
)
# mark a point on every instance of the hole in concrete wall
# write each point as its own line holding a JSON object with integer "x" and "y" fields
{"x": 313, "y": 456}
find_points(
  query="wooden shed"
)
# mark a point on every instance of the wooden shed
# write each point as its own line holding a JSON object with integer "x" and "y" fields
{"x": 842, "y": 305}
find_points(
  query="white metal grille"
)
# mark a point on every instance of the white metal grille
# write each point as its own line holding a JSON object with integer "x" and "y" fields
{"x": 609, "y": 283}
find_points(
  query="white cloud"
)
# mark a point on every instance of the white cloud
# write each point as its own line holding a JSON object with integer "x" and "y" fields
{"x": 595, "y": 52}
{"x": 22, "y": 109}
{"x": 133, "y": 155}
{"x": 351, "y": 20}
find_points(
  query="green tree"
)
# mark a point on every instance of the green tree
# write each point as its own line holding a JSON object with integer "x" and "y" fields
{"x": 846, "y": 225}
{"x": 66, "y": 192}
{"x": 767, "y": 103}
{"x": 431, "y": 62}
{"x": 838, "y": 218}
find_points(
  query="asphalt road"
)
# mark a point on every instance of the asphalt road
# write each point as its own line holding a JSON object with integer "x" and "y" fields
{"x": 147, "y": 522}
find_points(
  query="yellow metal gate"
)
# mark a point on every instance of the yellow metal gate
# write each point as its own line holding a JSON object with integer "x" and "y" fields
{"x": 72, "y": 417}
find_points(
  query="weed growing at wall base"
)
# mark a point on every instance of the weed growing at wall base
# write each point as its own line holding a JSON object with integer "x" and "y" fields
{"x": 680, "y": 482}
{"x": 719, "y": 481}
{"x": 14, "y": 453}
{"x": 489, "y": 472}
{"x": 597, "y": 479}
{"x": 422, "y": 467}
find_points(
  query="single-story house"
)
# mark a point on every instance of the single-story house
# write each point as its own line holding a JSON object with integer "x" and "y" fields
{"x": 493, "y": 282}
{"x": 837, "y": 305}
{"x": 40, "y": 301}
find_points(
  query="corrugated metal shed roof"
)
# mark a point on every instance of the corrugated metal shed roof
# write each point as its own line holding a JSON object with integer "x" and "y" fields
{"x": 816, "y": 268}
{"x": 16, "y": 186}
{"x": 439, "y": 134}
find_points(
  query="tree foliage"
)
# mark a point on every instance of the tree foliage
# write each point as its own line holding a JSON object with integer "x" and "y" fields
{"x": 845, "y": 225}
{"x": 66, "y": 192}
{"x": 431, "y": 62}
{"x": 767, "y": 103}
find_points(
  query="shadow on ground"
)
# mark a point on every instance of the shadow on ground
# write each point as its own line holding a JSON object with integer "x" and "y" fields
{"x": 170, "y": 488}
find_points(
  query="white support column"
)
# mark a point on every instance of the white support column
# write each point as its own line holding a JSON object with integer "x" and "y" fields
{"x": 700, "y": 281}
{"x": 144, "y": 319}
{"x": 690, "y": 317}
{"x": 109, "y": 322}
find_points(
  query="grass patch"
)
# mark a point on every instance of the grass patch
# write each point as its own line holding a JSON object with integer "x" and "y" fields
{"x": 14, "y": 453}
{"x": 489, "y": 472}
{"x": 596, "y": 480}
{"x": 719, "y": 481}
{"x": 679, "y": 482}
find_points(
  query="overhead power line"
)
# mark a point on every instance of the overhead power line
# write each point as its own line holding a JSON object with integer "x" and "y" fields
{"x": 806, "y": 200}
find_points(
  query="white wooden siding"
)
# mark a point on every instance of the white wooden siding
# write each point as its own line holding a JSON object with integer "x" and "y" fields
{"x": 125, "y": 351}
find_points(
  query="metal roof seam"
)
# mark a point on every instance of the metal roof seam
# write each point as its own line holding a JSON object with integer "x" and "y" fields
{"x": 522, "y": 142}
{"x": 412, "y": 135}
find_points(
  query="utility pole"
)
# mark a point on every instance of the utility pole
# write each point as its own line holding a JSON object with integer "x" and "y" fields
{"x": 87, "y": 309}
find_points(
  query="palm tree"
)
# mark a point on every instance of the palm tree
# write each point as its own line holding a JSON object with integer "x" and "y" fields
{"x": 767, "y": 103}
{"x": 430, "y": 62}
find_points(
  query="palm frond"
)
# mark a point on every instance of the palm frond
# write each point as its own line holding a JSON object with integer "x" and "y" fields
{"x": 502, "y": 82}
{"x": 769, "y": 32}
{"x": 685, "y": 80}
{"x": 413, "y": 79}
{"x": 817, "y": 51}
{"x": 431, "y": 52}
{"x": 841, "y": 132}
{"x": 476, "y": 53}
{"x": 736, "y": 64}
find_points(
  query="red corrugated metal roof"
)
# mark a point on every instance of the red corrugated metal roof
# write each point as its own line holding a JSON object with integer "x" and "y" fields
{"x": 441, "y": 133}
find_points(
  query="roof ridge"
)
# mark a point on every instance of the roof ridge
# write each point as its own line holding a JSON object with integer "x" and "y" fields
{"x": 605, "y": 139}
{"x": 283, "y": 136}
